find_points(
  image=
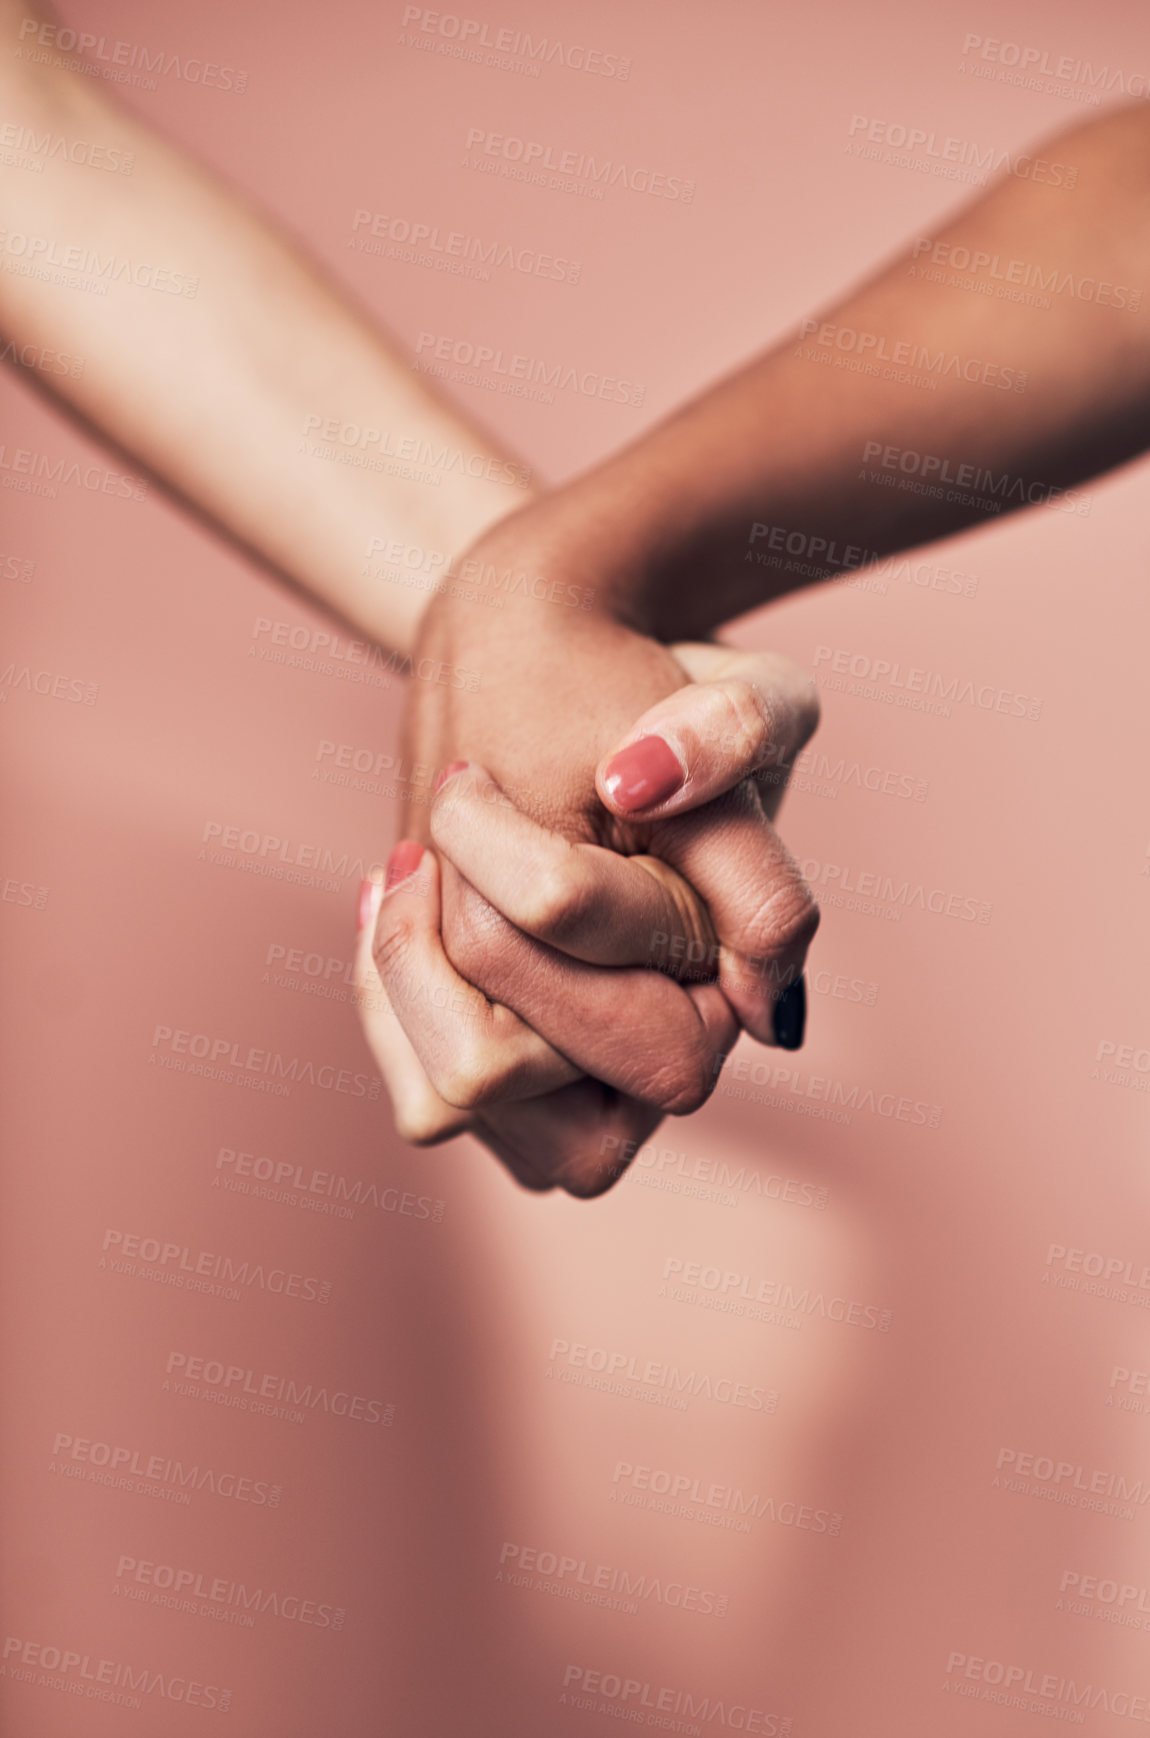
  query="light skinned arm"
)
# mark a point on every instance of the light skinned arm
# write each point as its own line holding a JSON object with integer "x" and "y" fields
{"x": 224, "y": 394}
{"x": 220, "y": 394}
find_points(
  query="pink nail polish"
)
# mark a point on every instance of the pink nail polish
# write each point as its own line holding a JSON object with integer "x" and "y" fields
{"x": 404, "y": 861}
{"x": 643, "y": 774}
{"x": 449, "y": 771}
{"x": 366, "y": 890}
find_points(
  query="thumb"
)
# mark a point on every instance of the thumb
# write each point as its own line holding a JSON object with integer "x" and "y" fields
{"x": 741, "y": 713}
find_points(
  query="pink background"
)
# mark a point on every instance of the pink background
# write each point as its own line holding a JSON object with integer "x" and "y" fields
{"x": 451, "y": 1319}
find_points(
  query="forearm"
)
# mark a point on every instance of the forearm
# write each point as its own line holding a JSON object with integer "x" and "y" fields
{"x": 897, "y": 416}
{"x": 224, "y": 394}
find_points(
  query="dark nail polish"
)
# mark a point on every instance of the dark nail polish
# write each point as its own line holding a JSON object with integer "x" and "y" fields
{"x": 791, "y": 1015}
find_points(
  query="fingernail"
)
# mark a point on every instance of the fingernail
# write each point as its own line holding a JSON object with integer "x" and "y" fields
{"x": 643, "y": 774}
{"x": 404, "y": 861}
{"x": 791, "y": 1015}
{"x": 366, "y": 897}
{"x": 449, "y": 771}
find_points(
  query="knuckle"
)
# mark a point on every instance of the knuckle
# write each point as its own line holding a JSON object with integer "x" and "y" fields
{"x": 423, "y": 1121}
{"x": 472, "y": 930}
{"x": 463, "y": 947}
{"x": 585, "y": 1175}
{"x": 748, "y": 720}
{"x": 443, "y": 819}
{"x": 795, "y": 716}
{"x": 462, "y": 1083}
{"x": 557, "y": 906}
{"x": 393, "y": 947}
{"x": 682, "y": 1084}
{"x": 472, "y": 1077}
{"x": 808, "y": 713}
{"x": 457, "y": 816}
{"x": 784, "y": 923}
{"x": 512, "y": 1069}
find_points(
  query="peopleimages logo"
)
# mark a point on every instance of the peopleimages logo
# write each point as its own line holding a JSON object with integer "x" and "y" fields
{"x": 49, "y": 684}
{"x": 510, "y": 49}
{"x": 534, "y": 156}
{"x": 960, "y": 154}
{"x": 179, "y": 1265}
{"x": 1024, "y": 274}
{"x": 876, "y": 894}
{"x": 1106, "y": 1591}
{"x": 885, "y": 675}
{"x": 321, "y": 433}
{"x": 623, "y": 1697}
{"x": 227, "y": 1060}
{"x": 453, "y": 250}
{"x": 518, "y": 372}
{"x": 26, "y": 893}
{"x": 692, "y": 1168}
{"x": 794, "y": 1085}
{"x": 1012, "y": 1686}
{"x": 246, "y": 1385}
{"x": 37, "y": 357}
{"x": 41, "y": 474}
{"x": 159, "y": 1475}
{"x": 727, "y": 1506}
{"x": 1098, "y": 1266}
{"x": 730, "y": 1286}
{"x": 1125, "y": 1055}
{"x": 70, "y": 1670}
{"x": 1067, "y": 1477}
{"x": 319, "y": 1191}
{"x": 905, "y": 353}
{"x": 927, "y": 473}
{"x": 123, "y": 61}
{"x": 16, "y": 137}
{"x": 1068, "y": 69}
{"x": 39, "y": 251}
{"x": 1136, "y": 1381}
{"x": 621, "y": 1369}
{"x": 825, "y": 775}
{"x": 179, "y": 1589}
{"x": 306, "y": 648}
{"x": 602, "y": 1584}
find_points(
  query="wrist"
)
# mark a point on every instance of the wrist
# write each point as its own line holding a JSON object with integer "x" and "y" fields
{"x": 533, "y": 566}
{"x": 586, "y": 552}
{"x": 646, "y": 534}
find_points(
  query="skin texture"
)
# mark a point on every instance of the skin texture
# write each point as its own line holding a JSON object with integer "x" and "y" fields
{"x": 211, "y": 395}
{"x": 667, "y": 529}
{"x": 557, "y": 692}
{"x": 1062, "y": 394}
{"x": 222, "y": 397}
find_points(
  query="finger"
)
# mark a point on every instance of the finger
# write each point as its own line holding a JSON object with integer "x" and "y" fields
{"x": 588, "y": 902}
{"x": 631, "y": 1028}
{"x": 581, "y": 1138}
{"x": 421, "y": 1116}
{"x": 764, "y": 913}
{"x": 742, "y": 713}
{"x": 732, "y": 735}
{"x": 508, "y": 1155}
{"x": 473, "y": 1052}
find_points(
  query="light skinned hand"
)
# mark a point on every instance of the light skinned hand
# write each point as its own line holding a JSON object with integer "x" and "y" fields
{"x": 507, "y": 1062}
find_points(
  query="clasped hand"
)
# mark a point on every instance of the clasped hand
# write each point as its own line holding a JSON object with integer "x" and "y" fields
{"x": 594, "y": 901}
